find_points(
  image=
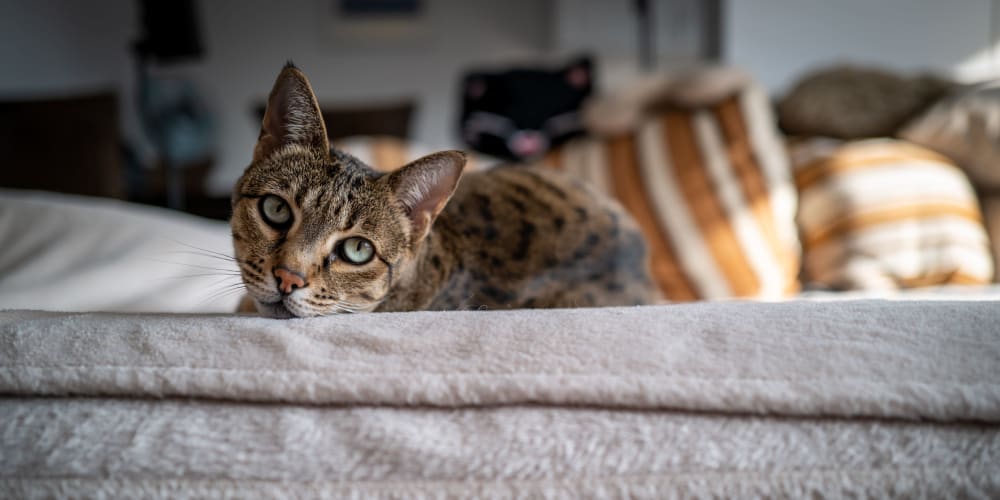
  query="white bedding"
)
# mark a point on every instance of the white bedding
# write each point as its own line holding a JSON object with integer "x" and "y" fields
{"x": 74, "y": 253}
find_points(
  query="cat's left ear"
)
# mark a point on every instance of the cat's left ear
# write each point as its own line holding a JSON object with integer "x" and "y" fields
{"x": 580, "y": 74}
{"x": 292, "y": 117}
{"x": 425, "y": 186}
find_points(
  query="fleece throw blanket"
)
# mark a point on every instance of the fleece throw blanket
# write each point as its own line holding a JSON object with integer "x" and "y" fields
{"x": 718, "y": 400}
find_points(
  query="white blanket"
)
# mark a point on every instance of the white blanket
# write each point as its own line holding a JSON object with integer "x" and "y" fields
{"x": 727, "y": 399}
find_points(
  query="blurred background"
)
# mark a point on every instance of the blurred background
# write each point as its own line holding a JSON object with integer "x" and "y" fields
{"x": 111, "y": 97}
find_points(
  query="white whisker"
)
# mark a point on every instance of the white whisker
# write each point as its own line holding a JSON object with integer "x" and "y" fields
{"x": 223, "y": 292}
{"x": 207, "y": 251}
{"x": 209, "y": 255}
{"x": 196, "y": 266}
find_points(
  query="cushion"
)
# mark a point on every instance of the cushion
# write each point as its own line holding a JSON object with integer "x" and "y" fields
{"x": 883, "y": 214}
{"x": 850, "y": 102}
{"x": 707, "y": 179}
{"x": 966, "y": 128}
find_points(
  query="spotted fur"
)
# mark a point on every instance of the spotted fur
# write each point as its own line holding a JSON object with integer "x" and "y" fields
{"x": 510, "y": 237}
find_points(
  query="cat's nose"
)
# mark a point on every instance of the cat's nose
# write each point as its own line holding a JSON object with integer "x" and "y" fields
{"x": 289, "y": 280}
{"x": 527, "y": 143}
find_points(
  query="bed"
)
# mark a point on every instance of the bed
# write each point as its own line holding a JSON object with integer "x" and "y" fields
{"x": 119, "y": 379}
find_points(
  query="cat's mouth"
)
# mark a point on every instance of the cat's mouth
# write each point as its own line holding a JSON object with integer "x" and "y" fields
{"x": 276, "y": 310}
{"x": 281, "y": 309}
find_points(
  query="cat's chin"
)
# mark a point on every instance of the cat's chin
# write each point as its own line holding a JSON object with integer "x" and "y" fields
{"x": 275, "y": 310}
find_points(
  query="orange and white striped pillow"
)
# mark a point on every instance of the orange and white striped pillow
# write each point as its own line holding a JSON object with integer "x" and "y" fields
{"x": 711, "y": 188}
{"x": 883, "y": 214}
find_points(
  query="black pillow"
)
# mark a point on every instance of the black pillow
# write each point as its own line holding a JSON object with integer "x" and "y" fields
{"x": 521, "y": 113}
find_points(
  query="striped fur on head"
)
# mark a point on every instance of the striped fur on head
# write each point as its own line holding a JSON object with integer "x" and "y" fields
{"x": 331, "y": 197}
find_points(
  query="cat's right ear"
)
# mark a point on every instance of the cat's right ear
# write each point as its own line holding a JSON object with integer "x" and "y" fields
{"x": 292, "y": 117}
{"x": 425, "y": 186}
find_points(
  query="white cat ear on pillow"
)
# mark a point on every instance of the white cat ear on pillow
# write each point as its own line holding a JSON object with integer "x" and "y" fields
{"x": 425, "y": 185}
{"x": 292, "y": 117}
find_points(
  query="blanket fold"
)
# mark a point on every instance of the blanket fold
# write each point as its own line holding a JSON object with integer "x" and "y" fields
{"x": 903, "y": 360}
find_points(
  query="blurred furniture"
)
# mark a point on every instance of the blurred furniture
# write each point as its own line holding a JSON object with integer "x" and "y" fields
{"x": 72, "y": 145}
{"x": 151, "y": 188}
{"x": 172, "y": 115}
{"x": 388, "y": 118}
{"x": 65, "y": 144}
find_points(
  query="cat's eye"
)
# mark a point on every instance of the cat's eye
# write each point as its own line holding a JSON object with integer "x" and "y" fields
{"x": 356, "y": 250}
{"x": 275, "y": 211}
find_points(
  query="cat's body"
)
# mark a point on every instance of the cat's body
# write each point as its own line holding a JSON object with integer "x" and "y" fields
{"x": 318, "y": 232}
{"x": 517, "y": 237}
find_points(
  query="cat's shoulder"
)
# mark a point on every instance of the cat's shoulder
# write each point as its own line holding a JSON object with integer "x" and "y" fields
{"x": 531, "y": 181}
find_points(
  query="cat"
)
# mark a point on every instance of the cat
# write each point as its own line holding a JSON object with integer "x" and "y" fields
{"x": 317, "y": 232}
{"x": 522, "y": 113}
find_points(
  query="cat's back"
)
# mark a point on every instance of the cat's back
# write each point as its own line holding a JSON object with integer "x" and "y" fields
{"x": 530, "y": 237}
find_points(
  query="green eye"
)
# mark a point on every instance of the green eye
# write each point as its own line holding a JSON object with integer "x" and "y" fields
{"x": 356, "y": 250}
{"x": 275, "y": 211}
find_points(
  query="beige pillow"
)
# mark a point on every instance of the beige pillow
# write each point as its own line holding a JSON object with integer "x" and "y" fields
{"x": 966, "y": 128}
{"x": 855, "y": 102}
{"x": 884, "y": 214}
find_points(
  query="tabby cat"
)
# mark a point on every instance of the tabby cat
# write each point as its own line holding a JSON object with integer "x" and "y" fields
{"x": 317, "y": 232}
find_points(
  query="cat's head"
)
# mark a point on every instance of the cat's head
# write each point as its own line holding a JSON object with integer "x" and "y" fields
{"x": 520, "y": 114}
{"x": 316, "y": 231}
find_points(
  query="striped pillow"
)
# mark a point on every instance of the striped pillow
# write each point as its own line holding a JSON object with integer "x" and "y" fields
{"x": 883, "y": 214}
{"x": 711, "y": 188}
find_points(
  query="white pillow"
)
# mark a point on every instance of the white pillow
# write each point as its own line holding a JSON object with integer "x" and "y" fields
{"x": 966, "y": 128}
{"x": 74, "y": 253}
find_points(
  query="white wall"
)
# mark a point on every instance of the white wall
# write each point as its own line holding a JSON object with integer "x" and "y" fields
{"x": 65, "y": 47}
{"x": 609, "y": 29}
{"x": 778, "y": 40}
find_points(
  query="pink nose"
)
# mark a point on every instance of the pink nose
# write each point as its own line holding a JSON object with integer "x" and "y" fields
{"x": 527, "y": 143}
{"x": 289, "y": 280}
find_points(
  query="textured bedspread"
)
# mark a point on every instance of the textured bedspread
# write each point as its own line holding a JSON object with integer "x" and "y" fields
{"x": 726, "y": 399}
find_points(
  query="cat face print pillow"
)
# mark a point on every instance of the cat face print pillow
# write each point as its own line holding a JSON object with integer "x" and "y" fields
{"x": 521, "y": 113}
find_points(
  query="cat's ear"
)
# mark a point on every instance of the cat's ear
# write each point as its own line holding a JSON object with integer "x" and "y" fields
{"x": 580, "y": 73}
{"x": 292, "y": 117}
{"x": 425, "y": 186}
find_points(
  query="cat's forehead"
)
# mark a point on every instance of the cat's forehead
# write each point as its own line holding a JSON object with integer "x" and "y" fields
{"x": 294, "y": 174}
{"x": 335, "y": 193}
